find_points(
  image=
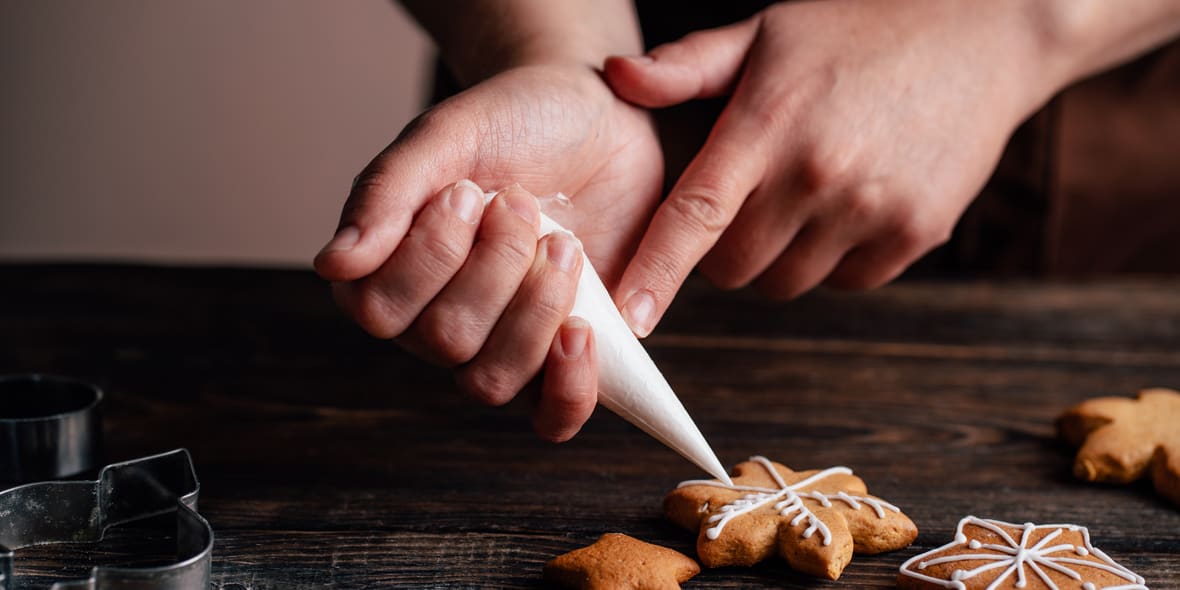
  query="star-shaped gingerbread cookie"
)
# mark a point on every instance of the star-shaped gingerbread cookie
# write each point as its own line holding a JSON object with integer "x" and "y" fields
{"x": 994, "y": 555}
{"x": 815, "y": 520}
{"x": 1122, "y": 439}
{"x": 618, "y": 562}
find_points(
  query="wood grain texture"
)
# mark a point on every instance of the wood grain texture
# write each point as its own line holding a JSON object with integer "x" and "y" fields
{"x": 330, "y": 460}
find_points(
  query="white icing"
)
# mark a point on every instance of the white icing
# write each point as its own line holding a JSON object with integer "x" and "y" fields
{"x": 629, "y": 383}
{"x": 787, "y": 501}
{"x": 1017, "y": 558}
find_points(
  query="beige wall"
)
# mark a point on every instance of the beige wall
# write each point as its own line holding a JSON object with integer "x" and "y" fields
{"x": 207, "y": 131}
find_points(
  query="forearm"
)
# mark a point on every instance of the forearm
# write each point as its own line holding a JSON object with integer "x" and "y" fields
{"x": 478, "y": 38}
{"x": 1084, "y": 37}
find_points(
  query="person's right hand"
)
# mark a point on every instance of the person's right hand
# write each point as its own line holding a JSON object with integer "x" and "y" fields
{"x": 417, "y": 258}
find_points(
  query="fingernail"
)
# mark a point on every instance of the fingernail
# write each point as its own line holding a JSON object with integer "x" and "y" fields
{"x": 345, "y": 238}
{"x": 522, "y": 204}
{"x": 466, "y": 200}
{"x": 639, "y": 311}
{"x": 563, "y": 249}
{"x": 575, "y": 334}
{"x": 642, "y": 60}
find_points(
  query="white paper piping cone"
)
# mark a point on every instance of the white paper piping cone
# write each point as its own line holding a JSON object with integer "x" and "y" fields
{"x": 629, "y": 383}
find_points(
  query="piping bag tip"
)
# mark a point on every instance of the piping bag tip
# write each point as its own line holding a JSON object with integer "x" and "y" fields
{"x": 657, "y": 411}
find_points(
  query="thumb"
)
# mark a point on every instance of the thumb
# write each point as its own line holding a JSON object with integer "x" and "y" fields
{"x": 703, "y": 64}
{"x": 387, "y": 195}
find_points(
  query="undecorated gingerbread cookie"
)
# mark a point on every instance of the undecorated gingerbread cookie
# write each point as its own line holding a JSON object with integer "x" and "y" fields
{"x": 1124, "y": 439}
{"x": 815, "y": 520}
{"x": 618, "y": 562}
{"x": 994, "y": 555}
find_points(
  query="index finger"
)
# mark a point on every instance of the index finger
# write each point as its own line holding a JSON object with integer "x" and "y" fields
{"x": 689, "y": 222}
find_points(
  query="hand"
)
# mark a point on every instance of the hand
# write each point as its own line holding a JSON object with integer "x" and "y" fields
{"x": 483, "y": 297}
{"x": 855, "y": 136}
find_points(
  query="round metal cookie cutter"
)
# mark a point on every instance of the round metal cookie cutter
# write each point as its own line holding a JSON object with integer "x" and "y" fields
{"x": 50, "y": 427}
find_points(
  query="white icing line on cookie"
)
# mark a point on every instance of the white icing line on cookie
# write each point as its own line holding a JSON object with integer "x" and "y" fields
{"x": 787, "y": 501}
{"x": 1016, "y": 557}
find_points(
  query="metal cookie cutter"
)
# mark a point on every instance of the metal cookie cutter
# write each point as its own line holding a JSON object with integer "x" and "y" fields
{"x": 50, "y": 427}
{"x": 81, "y": 511}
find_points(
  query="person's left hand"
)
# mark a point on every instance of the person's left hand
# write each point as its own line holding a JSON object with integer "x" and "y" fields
{"x": 856, "y": 135}
{"x": 420, "y": 260}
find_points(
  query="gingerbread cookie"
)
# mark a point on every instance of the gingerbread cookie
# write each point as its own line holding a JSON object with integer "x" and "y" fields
{"x": 814, "y": 519}
{"x": 994, "y": 555}
{"x": 1122, "y": 439}
{"x": 619, "y": 562}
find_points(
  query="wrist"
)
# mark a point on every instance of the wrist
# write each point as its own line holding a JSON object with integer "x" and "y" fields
{"x": 476, "y": 63}
{"x": 1079, "y": 38}
{"x": 481, "y": 38}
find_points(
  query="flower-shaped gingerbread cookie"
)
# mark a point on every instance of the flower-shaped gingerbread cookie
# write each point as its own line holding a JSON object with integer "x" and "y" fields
{"x": 1123, "y": 439}
{"x": 618, "y": 562}
{"x": 814, "y": 519}
{"x": 994, "y": 555}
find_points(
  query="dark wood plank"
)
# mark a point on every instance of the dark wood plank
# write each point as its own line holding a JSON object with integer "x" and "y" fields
{"x": 330, "y": 460}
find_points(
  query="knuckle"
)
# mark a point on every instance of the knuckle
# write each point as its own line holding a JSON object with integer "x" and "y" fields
{"x": 369, "y": 179}
{"x": 371, "y": 182}
{"x": 662, "y": 273}
{"x": 492, "y": 387}
{"x": 512, "y": 251}
{"x": 726, "y": 271}
{"x": 440, "y": 251}
{"x": 941, "y": 234}
{"x": 551, "y": 303}
{"x": 915, "y": 233}
{"x": 864, "y": 202}
{"x": 910, "y": 235}
{"x": 822, "y": 171}
{"x": 376, "y": 314}
{"x": 702, "y": 207}
{"x": 449, "y": 344}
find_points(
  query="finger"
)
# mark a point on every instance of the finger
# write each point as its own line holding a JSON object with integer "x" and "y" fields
{"x": 810, "y": 257}
{"x": 387, "y": 301}
{"x": 569, "y": 389}
{"x": 869, "y": 266}
{"x": 455, "y": 325}
{"x": 387, "y": 195}
{"x": 762, "y": 229}
{"x": 882, "y": 258}
{"x": 688, "y": 223}
{"x": 700, "y": 65}
{"x": 518, "y": 345}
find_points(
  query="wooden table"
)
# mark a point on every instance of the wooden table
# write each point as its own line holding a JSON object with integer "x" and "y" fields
{"x": 330, "y": 460}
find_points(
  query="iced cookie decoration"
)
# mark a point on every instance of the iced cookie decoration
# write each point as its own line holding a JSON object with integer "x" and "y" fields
{"x": 815, "y": 520}
{"x": 1124, "y": 439}
{"x": 619, "y": 562}
{"x": 994, "y": 555}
